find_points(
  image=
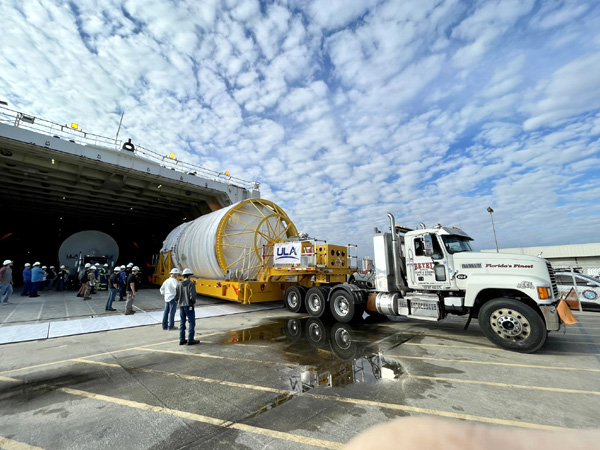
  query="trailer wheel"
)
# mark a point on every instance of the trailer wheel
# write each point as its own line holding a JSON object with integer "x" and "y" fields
{"x": 342, "y": 306}
{"x": 293, "y": 299}
{"x": 316, "y": 301}
{"x": 513, "y": 325}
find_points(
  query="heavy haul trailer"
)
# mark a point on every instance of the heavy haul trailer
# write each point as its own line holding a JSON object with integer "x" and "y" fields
{"x": 250, "y": 252}
{"x": 425, "y": 274}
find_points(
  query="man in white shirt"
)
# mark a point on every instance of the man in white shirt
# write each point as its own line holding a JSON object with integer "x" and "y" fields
{"x": 168, "y": 289}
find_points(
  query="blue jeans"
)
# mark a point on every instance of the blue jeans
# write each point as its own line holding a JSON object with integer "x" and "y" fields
{"x": 6, "y": 291}
{"x": 112, "y": 294}
{"x": 35, "y": 286}
{"x": 26, "y": 288}
{"x": 187, "y": 312}
{"x": 169, "y": 315}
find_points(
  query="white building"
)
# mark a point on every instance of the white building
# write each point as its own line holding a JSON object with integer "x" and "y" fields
{"x": 585, "y": 257}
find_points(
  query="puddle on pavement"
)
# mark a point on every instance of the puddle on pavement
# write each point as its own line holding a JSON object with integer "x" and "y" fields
{"x": 326, "y": 353}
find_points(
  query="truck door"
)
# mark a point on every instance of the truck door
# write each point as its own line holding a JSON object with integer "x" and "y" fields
{"x": 427, "y": 266}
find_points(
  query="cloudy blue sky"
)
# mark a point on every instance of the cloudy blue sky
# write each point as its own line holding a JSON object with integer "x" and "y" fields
{"x": 342, "y": 110}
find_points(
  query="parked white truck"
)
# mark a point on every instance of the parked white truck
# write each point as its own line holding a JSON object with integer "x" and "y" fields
{"x": 432, "y": 272}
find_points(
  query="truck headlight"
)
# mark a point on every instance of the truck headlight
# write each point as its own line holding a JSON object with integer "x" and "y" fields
{"x": 543, "y": 293}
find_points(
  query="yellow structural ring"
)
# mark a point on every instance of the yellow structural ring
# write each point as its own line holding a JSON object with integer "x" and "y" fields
{"x": 276, "y": 211}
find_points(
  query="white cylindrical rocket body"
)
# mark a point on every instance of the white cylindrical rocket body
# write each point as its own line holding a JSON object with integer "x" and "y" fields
{"x": 87, "y": 243}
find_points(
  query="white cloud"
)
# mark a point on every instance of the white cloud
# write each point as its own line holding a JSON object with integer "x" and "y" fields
{"x": 572, "y": 90}
{"x": 432, "y": 110}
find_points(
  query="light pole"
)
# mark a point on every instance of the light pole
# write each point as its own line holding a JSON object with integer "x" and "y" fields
{"x": 490, "y": 210}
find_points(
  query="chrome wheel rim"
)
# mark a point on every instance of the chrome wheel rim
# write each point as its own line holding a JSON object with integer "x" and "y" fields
{"x": 510, "y": 324}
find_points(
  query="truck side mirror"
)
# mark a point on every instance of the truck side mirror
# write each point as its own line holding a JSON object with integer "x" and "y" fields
{"x": 427, "y": 245}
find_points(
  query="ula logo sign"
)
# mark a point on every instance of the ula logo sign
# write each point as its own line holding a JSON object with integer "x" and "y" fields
{"x": 287, "y": 253}
{"x": 282, "y": 253}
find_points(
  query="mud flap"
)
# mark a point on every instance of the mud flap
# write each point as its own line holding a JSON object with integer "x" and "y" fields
{"x": 565, "y": 313}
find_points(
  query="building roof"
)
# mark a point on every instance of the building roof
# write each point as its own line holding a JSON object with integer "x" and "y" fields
{"x": 556, "y": 251}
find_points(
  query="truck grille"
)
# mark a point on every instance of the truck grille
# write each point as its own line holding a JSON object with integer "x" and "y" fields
{"x": 552, "y": 279}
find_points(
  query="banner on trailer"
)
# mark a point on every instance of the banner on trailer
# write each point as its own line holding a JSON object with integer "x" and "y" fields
{"x": 287, "y": 253}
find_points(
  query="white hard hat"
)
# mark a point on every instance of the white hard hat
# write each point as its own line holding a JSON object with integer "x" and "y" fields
{"x": 27, "y": 265}
{"x": 175, "y": 270}
{"x": 87, "y": 265}
{"x": 62, "y": 266}
{"x": 7, "y": 262}
{"x": 130, "y": 265}
{"x": 117, "y": 269}
{"x": 187, "y": 272}
{"x": 105, "y": 265}
{"x": 92, "y": 267}
{"x": 37, "y": 263}
{"x": 52, "y": 267}
{"x": 122, "y": 267}
{"x": 44, "y": 267}
{"x": 134, "y": 268}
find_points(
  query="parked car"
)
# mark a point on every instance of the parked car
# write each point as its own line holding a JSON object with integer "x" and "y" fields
{"x": 588, "y": 288}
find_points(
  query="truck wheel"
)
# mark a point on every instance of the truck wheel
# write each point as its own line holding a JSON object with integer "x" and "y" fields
{"x": 316, "y": 301}
{"x": 293, "y": 298}
{"x": 513, "y": 325}
{"x": 342, "y": 306}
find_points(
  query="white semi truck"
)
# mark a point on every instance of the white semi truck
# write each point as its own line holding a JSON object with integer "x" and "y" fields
{"x": 432, "y": 272}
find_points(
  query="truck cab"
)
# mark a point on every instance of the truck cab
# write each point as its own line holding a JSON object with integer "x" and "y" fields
{"x": 430, "y": 257}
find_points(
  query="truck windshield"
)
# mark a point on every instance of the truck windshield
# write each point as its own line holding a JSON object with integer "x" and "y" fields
{"x": 456, "y": 244}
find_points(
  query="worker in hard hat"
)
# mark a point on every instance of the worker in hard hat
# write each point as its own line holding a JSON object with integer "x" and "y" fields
{"x": 6, "y": 281}
{"x": 122, "y": 283}
{"x": 91, "y": 282}
{"x": 37, "y": 279}
{"x": 168, "y": 289}
{"x": 51, "y": 277}
{"x": 132, "y": 287}
{"x": 83, "y": 279}
{"x": 185, "y": 296}
{"x": 103, "y": 277}
{"x": 61, "y": 277}
{"x": 26, "y": 280}
{"x": 113, "y": 289}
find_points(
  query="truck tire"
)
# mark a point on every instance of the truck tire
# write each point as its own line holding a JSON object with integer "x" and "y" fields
{"x": 294, "y": 298}
{"x": 342, "y": 306}
{"x": 316, "y": 301}
{"x": 513, "y": 325}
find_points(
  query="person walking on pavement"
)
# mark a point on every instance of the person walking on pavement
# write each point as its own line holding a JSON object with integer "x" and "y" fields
{"x": 83, "y": 279}
{"x": 113, "y": 288}
{"x": 103, "y": 275}
{"x": 26, "y": 280}
{"x": 37, "y": 279}
{"x": 168, "y": 289}
{"x": 6, "y": 281}
{"x": 45, "y": 281}
{"x": 122, "y": 284}
{"x": 51, "y": 277}
{"x": 185, "y": 296}
{"x": 132, "y": 288}
{"x": 60, "y": 278}
{"x": 91, "y": 282}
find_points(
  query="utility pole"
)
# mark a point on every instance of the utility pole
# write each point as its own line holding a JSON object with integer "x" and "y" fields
{"x": 491, "y": 211}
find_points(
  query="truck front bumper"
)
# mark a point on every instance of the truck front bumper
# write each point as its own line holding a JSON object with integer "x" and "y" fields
{"x": 551, "y": 317}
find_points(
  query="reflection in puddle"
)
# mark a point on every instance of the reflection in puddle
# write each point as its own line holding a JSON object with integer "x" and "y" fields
{"x": 329, "y": 354}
